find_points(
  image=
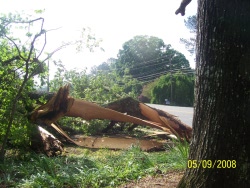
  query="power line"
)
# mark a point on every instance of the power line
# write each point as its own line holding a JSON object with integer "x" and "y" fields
{"x": 142, "y": 64}
{"x": 168, "y": 71}
{"x": 154, "y": 77}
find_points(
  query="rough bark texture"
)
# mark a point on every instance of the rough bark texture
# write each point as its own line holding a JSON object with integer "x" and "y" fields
{"x": 137, "y": 109}
{"x": 44, "y": 142}
{"x": 221, "y": 119}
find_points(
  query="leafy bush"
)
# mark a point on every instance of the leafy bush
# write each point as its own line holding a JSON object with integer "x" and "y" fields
{"x": 182, "y": 89}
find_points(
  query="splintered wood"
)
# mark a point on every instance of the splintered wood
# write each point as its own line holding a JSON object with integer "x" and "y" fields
{"x": 124, "y": 110}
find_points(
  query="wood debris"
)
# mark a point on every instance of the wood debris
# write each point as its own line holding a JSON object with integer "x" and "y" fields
{"x": 124, "y": 110}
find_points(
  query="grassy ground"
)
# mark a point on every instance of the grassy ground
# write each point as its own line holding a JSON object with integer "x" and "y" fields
{"x": 80, "y": 167}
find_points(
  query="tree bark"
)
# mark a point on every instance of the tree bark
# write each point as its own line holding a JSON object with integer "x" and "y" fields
{"x": 222, "y": 108}
{"x": 140, "y": 110}
{"x": 43, "y": 141}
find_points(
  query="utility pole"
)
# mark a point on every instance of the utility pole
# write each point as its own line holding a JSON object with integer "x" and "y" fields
{"x": 171, "y": 78}
{"x": 48, "y": 78}
{"x": 171, "y": 93}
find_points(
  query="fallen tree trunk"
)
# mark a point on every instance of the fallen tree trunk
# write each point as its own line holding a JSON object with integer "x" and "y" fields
{"x": 135, "y": 108}
{"x": 61, "y": 104}
{"x": 64, "y": 105}
{"x": 43, "y": 141}
{"x": 89, "y": 111}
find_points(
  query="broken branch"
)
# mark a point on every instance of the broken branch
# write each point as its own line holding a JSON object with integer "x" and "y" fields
{"x": 182, "y": 7}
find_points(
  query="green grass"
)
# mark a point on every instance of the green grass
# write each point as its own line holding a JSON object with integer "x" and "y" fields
{"x": 87, "y": 168}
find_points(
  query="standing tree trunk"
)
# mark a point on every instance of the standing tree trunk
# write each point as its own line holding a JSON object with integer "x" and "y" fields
{"x": 221, "y": 125}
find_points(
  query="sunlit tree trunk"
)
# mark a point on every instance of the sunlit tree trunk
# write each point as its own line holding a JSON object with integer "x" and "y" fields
{"x": 221, "y": 126}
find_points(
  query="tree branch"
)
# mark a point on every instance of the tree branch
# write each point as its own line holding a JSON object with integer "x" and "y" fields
{"x": 4, "y": 63}
{"x": 18, "y": 50}
{"x": 56, "y": 50}
{"x": 182, "y": 7}
{"x": 30, "y": 21}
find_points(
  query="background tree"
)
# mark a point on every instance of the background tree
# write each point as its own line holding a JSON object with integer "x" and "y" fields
{"x": 182, "y": 90}
{"x": 102, "y": 87}
{"x": 22, "y": 43}
{"x": 18, "y": 65}
{"x": 221, "y": 122}
{"x": 102, "y": 67}
{"x": 191, "y": 24}
{"x": 147, "y": 57}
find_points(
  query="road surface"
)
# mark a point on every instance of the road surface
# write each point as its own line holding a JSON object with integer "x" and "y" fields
{"x": 185, "y": 114}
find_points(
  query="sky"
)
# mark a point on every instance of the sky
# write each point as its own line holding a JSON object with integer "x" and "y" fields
{"x": 112, "y": 21}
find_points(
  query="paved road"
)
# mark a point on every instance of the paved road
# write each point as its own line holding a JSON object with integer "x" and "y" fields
{"x": 185, "y": 114}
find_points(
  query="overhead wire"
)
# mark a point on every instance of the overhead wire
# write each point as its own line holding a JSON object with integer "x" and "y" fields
{"x": 142, "y": 64}
{"x": 143, "y": 81}
{"x": 166, "y": 71}
{"x": 154, "y": 62}
{"x": 150, "y": 77}
{"x": 153, "y": 79}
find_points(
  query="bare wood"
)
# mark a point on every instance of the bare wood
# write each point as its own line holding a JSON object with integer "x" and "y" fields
{"x": 174, "y": 125}
{"x": 51, "y": 145}
{"x": 88, "y": 111}
{"x": 135, "y": 108}
{"x": 118, "y": 143}
{"x": 63, "y": 105}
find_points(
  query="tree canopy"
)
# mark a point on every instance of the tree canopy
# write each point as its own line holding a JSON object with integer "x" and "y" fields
{"x": 147, "y": 57}
{"x": 191, "y": 24}
{"x": 22, "y": 58}
{"x": 19, "y": 63}
{"x": 177, "y": 88}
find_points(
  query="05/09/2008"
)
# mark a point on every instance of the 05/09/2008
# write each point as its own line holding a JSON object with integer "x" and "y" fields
{"x": 211, "y": 164}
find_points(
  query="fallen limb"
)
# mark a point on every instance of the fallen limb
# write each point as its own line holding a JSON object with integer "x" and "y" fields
{"x": 182, "y": 7}
{"x": 89, "y": 111}
{"x": 61, "y": 104}
{"x": 168, "y": 121}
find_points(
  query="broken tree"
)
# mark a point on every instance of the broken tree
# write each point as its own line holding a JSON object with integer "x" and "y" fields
{"x": 61, "y": 104}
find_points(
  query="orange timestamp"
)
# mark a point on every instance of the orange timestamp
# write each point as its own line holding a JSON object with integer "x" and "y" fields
{"x": 211, "y": 164}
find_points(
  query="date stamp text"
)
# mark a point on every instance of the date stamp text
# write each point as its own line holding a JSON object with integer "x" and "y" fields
{"x": 211, "y": 164}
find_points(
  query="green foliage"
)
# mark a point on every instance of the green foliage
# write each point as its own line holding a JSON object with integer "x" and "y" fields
{"x": 20, "y": 62}
{"x": 102, "y": 87}
{"x": 147, "y": 89}
{"x": 178, "y": 154}
{"x": 146, "y": 57}
{"x": 18, "y": 66}
{"x": 86, "y": 168}
{"x": 87, "y": 40}
{"x": 182, "y": 89}
{"x": 191, "y": 24}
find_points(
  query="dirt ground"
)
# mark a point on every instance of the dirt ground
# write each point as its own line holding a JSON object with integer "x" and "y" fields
{"x": 168, "y": 180}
